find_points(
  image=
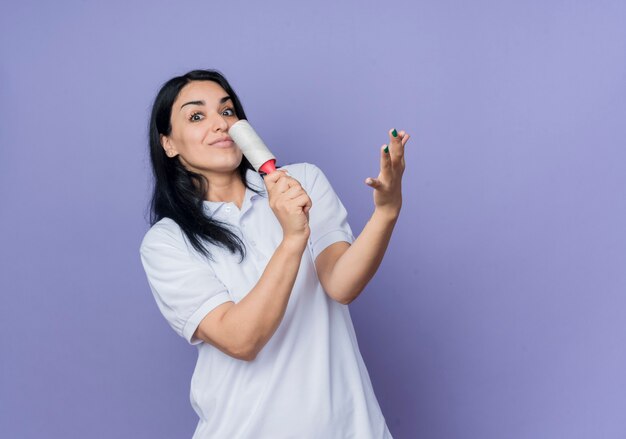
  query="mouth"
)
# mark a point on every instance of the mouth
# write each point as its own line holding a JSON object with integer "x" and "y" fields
{"x": 224, "y": 142}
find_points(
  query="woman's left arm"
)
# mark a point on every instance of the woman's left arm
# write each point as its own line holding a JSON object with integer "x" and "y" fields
{"x": 343, "y": 269}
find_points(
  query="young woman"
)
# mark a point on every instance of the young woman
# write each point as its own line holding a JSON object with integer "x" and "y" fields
{"x": 257, "y": 273}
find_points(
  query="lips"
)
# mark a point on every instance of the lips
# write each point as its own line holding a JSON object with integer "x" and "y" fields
{"x": 223, "y": 142}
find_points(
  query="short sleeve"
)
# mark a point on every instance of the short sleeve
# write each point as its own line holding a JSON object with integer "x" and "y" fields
{"x": 184, "y": 286}
{"x": 328, "y": 218}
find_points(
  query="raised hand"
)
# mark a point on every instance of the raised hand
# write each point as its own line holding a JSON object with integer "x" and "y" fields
{"x": 388, "y": 185}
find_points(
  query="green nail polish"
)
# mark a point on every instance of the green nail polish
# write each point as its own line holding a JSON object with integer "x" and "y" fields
{"x": 394, "y": 133}
{"x": 386, "y": 149}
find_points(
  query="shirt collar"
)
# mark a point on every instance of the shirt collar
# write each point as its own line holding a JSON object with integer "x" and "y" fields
{"x": 253, "y": 179}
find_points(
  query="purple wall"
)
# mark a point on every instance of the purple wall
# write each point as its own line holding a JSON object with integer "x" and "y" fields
{"x": 499, "y": 309}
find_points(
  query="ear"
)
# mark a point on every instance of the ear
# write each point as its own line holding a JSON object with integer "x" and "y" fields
{"x": 168, "y": 146}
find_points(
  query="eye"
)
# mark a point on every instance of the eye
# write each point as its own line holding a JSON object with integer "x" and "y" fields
{"x": 228, "y": 112}
{"x": 195, "y": 117}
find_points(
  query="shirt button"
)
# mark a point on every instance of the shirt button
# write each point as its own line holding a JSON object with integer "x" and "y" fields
{"x": 227, "y": 208}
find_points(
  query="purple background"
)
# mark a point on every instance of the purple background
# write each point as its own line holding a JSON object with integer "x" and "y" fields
{"x": 498, "y": 311}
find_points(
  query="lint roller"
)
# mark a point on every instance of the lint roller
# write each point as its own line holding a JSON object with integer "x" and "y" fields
{"x": 252, "y": 146}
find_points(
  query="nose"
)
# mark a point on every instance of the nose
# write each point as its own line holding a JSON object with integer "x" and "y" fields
{"x": 220, "y": 123}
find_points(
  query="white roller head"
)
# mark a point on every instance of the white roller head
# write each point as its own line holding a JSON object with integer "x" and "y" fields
{"x": 250, "y": 143}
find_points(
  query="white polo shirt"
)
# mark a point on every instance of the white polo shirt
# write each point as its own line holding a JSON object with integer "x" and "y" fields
{"x": 309, "y": 381}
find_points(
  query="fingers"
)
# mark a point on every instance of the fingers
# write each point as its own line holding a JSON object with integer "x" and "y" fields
{"x": 303, "y": 201}
{"x": 392, "y": 161}
{"x": 405, "y": 137}
{"x": 284, "y": 191}
{"x": 396, "y": 144}
{"x": 271, "y": 179}
{"x": 385, "y": 159}
{"x": 373, "y": 182}
{"x": 287, "y": 202}
{"x": 396, "y": 148}
{"x": 274, "y": 176}
{"x": 281, "y": 180}
{"x": 299, "y": 197}
{"x": 385, "y": 169}
{"x": 294, "y": 192}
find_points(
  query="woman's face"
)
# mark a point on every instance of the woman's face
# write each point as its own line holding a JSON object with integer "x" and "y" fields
{"x": 202, "y": 114}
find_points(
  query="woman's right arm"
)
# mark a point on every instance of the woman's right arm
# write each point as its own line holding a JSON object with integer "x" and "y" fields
{"x": 242, "y": 329}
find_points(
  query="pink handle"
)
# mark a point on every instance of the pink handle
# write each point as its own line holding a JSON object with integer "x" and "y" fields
{"x": 268, "y": 167}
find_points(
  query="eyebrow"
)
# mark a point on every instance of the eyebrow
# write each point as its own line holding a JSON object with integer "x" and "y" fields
{"x": 224, "y": 99}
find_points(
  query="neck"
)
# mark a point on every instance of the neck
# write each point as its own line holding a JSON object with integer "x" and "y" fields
{"x": 226, "y": 187}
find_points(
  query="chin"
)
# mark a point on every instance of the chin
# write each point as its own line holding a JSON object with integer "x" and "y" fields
{"x": 227, "y": 165}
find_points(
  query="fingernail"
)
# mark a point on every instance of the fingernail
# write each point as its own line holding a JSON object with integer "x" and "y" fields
{"x": 394, "y": 133}
{"x": 386, "y": 149}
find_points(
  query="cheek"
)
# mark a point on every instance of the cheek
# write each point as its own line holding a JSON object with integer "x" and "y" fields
{"x": 191, "y": 136}
{"x": 195, "y": 131}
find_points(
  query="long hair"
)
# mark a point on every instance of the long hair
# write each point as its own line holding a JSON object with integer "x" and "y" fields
{"x": 179, "y": 193}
